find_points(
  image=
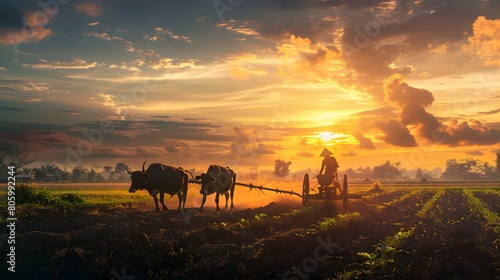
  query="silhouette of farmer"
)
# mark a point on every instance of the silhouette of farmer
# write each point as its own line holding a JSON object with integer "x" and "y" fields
{"x": 329, "y": 165}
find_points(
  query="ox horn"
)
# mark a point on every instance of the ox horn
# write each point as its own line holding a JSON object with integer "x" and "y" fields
{"x": 143, "y": 166}
{"x": 129, "y": 171}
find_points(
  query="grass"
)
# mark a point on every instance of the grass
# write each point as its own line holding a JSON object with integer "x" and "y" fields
{"x": 116, "y": 193}
{"x": 35, "y": 195}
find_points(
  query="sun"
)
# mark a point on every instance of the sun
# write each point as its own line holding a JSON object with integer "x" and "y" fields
{"x": 330, "y": 138}
{"x": 326, "y": 136}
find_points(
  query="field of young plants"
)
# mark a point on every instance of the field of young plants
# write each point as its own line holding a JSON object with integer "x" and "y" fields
{"x": 417, "y": 232}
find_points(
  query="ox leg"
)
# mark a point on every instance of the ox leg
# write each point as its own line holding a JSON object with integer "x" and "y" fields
{"x": 227, "y": 198}
{"x": 232, "y": 195}
{"x": 203, "y": 200}
{"x": 156, "y": 203}
{"x": 217, "y": 202}
{"x": 185, "y": 192}
{"x": 179, "y": 195}
{"x": 162, "y": 196}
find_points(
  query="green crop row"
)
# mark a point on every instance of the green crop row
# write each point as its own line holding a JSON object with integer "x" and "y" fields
{"x": 490, "y": 216}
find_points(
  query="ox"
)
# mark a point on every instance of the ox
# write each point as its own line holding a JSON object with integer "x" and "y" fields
{"x": 219, "y": 180}
{"x": 160, "y": 178}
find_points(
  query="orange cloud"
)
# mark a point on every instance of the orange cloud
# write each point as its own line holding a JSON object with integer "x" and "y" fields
{"x": 486, "y": 41}
{"x": 242, "y": 28}
{"x": 246, "y": 65}
{"x": 167, "y": 64}
{"x": 88, "y": 8}
{"x": 304, "y": 60}
{"x": 75, "y": 63}
{"x": 32, "y": 30}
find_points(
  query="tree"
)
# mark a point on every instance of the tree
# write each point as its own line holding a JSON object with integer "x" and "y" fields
{"x": 40, "y": 175}
{"x": 108, "y": 169}
{"x": 52, "y": 169}
{"x": 94, "y": 176}
{"x": 120, "y": 167}
{"x": 466, "y": 168}
{"x": 281, "y": 168}
{"x": 498, "y": 163}
{"x": 79, "y": 174}
{"x": 420, "y": 174}
{"x": 14, "y": 155}
{"x": 388, "y": 171}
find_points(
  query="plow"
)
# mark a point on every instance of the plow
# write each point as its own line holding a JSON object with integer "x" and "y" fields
{"x": 327, "y": 189}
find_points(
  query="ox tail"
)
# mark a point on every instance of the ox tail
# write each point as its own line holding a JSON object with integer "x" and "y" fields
{"x": 192, "y": 177}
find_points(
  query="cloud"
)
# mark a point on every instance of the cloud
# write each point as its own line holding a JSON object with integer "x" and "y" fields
{"x": 419, "y": 28}
{"x": 88, "y": 8}
{"x": 395, "y": 133}
{"x": 476, "y": 133}
{"x": 94, "y": 23}
{"x": 485, "y": 42}
{"x": 104, "y": 35}
{"x": 127, "y": 45}
{"x": 349, "y": 154}
{"x": 161, "y": 31}
{"x": 491, "y": 112}
{"x": 152, "y": 130}
{"x": 18, "y": 27}
{"x": 25, "y": 86}
{"x": 168, "y": 64}
{"x": 113, "y": 102}
{"x": 364, "y": 142}
{"x": 304, "y": 60}
{"x": 33, "y": 100}
{"x": 305, "y": 154}
{"x": 474, "y": 152}
{"x": 242, "y": 28}
{"x": 70, "y": 112}
{"x": 35, "y": 138}
{"x": 75, "y": 63}
{"x": 386, "y": 111}
{"x": 177, "y": 147}
{"x": 246, "y": 65}
{"x": 133, "y": 66}
{"x": 9, "y": 109}
{"x": 411, "y": 103}
{"x": 247, "y": 146}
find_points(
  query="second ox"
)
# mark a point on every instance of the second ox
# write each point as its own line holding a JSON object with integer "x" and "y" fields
{"x": 219, "y": 180}
{"x": 161, "y": 179}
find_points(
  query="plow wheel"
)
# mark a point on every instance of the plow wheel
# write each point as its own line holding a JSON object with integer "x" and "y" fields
{"x": 305, "y": 190}
{"x": 345, "y": 195}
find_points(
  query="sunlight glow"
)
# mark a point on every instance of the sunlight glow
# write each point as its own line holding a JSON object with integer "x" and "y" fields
{"x": 329, "y": 138}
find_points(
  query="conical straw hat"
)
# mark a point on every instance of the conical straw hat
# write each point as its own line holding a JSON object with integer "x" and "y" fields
{"x": 325, "y": 152}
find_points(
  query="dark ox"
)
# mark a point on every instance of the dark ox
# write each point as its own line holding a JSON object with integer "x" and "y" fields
{"x": 161, "y": 179}
{"x": 219, "y": 180}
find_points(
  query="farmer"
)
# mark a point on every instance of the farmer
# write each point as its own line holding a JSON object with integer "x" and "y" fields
{"x": 329, "y": 164}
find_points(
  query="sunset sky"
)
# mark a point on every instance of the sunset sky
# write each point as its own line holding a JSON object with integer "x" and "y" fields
{"x": 243, "y": 83}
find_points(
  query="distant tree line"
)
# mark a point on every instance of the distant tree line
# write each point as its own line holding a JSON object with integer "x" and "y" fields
{"x": 466, "y": 169}
{"x": 387, "y": 171}
{"x": 470, "y": 169}
{"x": 53, "y": 173}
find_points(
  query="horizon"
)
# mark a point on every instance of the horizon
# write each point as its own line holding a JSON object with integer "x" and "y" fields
{"x": 244, "y": 83}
